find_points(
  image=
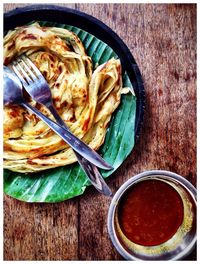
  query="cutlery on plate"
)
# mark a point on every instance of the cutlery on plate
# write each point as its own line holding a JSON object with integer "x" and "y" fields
{"x": 13, "y": 95}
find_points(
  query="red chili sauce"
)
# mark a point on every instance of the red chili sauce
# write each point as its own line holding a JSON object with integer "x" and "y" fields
{"x": 150, "y": 212}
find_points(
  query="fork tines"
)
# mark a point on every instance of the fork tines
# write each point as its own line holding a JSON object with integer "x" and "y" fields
{"x": 26, "y": 70}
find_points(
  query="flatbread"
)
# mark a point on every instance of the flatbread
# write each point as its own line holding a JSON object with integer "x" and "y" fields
{"x": 84, "y": 98}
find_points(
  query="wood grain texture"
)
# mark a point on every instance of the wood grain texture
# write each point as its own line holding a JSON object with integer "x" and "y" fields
{"x": 162, "y": 39}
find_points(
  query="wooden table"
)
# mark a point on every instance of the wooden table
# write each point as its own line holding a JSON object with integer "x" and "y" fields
{"x": 162, "y": 39}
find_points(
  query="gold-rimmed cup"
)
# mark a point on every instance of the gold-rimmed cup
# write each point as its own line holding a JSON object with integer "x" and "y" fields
{"x": 176, "y": 247}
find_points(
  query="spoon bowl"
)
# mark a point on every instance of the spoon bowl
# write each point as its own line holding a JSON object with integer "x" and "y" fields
{"x": 12, "y": 88}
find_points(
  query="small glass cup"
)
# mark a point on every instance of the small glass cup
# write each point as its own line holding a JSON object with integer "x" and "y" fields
{"x": 180, "y": 244}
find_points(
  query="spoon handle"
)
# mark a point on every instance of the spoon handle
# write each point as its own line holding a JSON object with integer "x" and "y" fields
{"x": 90, "y": 169}
{"x": 71, "y": 140}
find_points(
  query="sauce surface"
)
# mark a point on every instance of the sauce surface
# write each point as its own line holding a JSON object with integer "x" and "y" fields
{"x": 150, "y": 212}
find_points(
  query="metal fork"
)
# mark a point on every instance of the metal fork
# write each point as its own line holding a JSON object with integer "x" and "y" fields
{"x": 38, "y": 88}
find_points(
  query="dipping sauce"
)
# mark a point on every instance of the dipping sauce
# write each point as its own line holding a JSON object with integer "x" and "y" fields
{"x": 150, "y": 212}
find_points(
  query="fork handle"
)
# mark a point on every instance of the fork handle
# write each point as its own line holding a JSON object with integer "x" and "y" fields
{"x": 90, "y": 169}
{"x": 76, "y": 144}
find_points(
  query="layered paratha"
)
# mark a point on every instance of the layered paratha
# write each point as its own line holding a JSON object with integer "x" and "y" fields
{"x": 84, "y": 97}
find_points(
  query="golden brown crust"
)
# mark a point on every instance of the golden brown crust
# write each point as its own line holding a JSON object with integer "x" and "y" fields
{"x": 84, "y": 99}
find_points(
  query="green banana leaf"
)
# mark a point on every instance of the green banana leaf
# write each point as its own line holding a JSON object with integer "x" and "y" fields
{"x": 63, "y": 183}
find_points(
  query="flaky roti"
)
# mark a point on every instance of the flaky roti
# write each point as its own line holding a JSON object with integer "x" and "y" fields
{"x": 85, "y": 98}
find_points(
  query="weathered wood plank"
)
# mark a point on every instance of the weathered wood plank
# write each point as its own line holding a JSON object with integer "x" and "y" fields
{"x": 162, "y": 39}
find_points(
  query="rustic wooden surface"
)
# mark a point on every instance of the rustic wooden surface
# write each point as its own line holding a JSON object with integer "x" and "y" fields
{"x": 162, "y": 39}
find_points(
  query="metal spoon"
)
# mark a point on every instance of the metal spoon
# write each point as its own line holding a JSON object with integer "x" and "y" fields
{"x": 13, "y": 95}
